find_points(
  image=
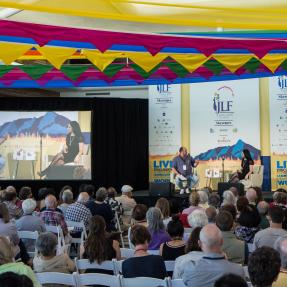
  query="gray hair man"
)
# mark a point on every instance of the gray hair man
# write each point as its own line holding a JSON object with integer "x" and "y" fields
{"x": 213, "y": 264}
{"x": 263, "y": 208}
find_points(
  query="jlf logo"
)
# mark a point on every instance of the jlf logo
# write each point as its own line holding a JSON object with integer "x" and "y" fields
{"x": 220, "y": 106}
{"x": 163, "y": 88}
{"x": 282, "y": 82}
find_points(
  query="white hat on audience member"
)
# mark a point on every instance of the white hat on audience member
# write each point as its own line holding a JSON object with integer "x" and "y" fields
{"x": 28, "y": 205}
{"x": 126, "y": 188}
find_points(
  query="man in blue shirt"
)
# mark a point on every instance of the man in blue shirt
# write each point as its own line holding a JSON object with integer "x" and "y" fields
{"x": 182, "y": 167}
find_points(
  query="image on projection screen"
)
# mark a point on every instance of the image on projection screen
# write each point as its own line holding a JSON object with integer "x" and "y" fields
{"x": 52, "y": 145}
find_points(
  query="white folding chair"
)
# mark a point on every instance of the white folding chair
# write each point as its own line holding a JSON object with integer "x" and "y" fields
{"x": 84, "y": 264}
{"x": 153, "y": 252}
{"x": 97, "y": 279}
{"x": 175, "y": 283}
{"x": 127, "y": 252}
{"x": 29, "y": 235}
{"x": 56, "y": 278}
{"x": 62, "y": 246}
{"x": 118, "y": 266}
{"x": 169, "y": 265}
{"x": 143, "y": 282}
{"x": 80, "y": 226}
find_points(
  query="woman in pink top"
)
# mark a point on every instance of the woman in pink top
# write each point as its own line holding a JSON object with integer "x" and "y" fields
{"x": 193, "y": 201}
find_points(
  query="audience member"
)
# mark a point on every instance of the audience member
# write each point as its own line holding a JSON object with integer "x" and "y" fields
{"x": 234, "y": 190}
{"x": 228, "y": 198}
{"x": 194, "y": 200}
{"x": 198, "y": 218}
{"x": 241, "y": 203}
{"x": 143, "y": 264}
{"x": 112, "y": 202}
{"x": 78, "y": 212}
{"x": 231, "y": 209}
{"x": 10, "y": 199}
{"x": 47, "y": 260}
{"x": 24, "y": 193}
{"x": 249, "y": 221}
{"x": 211, "y": 214}
{"x": 203, "y": 198}
{"x": 51, "y": 216}
{"x": 235, "y": 249}
{"x": 193, "y": 253}
{"x": 264, "y": 266}
{"x": 89, "y": 188}
{"x": 127, "y": 203}
{"x": 67, "y": 199}
{"x": 163, "y": 205}
{"x": 213, "y": 264}
{"x": 99, "y": 207}
{"x": 281, "y": 246}
{"x": 230, "y": 280}
{"x": 139, "y": 215}
{"x": 258, "y": 192}
{"x": 174, "y": 207}
{"x": 268, "y": 236}
{"x": 156, "y": 228}
{"x": 279, "y": 199}
{"x": 214, "y": 200}
{"x": 98, "y": 246}
{"x": 7, "y": 263}
{"x": 9, "y": 279}
{"x": 262, "y": 208}
{"x": 42, "y": 194}
{"x": 251, "y": 196}
{"x": 174, "y": 248}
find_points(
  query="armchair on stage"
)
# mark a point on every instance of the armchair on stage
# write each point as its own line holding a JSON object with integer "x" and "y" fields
{"x": 255, "y": 179}
{"x": 175, "y": 187}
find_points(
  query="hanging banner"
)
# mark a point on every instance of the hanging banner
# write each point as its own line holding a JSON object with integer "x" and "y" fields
{"x": 278, "y": 131}
{"x": 224, "y": 120}
{"x": 164, "y": 129}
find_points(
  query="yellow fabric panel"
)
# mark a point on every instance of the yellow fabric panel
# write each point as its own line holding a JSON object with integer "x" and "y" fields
{"x": 273, "y": 61}
{"x": 190, "y": 61}
{"x": 255, "y": 14}
{"x": 232, "y": 62}
{"x": 9, "y": 52}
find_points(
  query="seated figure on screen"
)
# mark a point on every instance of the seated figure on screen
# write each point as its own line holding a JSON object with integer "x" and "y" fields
{"x": 182, "y": 167}
{"x": 72, "y": 150}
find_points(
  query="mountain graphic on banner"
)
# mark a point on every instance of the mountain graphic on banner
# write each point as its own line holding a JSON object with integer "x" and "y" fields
{"x": 229, "y": 152}
{"x": 51, "y": 124}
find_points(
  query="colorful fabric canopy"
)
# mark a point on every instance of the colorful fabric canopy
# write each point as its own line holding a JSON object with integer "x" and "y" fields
{"x": 255, "y": 14}
{"x": 114, "y": 58}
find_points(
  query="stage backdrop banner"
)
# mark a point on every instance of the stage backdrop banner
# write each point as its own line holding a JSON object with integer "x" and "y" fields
{"x": 224, "y": 120}
{"x": 278, "y": 131}
{"x": 164, "y": 129}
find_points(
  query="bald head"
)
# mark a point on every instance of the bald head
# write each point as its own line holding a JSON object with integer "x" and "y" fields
{"x": 262, "y": 207}
{"x": 251, "y": 195}
{"x": 50, "y": 202}
{"x": 83, "y": 197}
{"x": 210, "y": 239}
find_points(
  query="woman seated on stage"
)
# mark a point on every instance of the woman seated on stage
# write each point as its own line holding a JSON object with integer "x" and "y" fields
{"x": 72, "y": 150}
{"x": 247, "y": 164}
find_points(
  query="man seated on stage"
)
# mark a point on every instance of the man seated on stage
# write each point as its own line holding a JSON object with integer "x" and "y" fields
{"x": 182, "y": 167}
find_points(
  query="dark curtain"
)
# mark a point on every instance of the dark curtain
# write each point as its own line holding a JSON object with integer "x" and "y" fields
{"x": 119, "y": 135}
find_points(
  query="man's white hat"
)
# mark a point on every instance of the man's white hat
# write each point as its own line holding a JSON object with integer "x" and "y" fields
{"x": 126, "y": 188}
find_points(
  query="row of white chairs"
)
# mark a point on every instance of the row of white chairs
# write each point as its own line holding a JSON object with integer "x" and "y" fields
{"x": 76, "y": 279}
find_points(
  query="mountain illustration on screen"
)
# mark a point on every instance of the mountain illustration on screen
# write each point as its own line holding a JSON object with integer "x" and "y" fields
{"x": 229, "y": 152}
{"x": 51, "y": 124}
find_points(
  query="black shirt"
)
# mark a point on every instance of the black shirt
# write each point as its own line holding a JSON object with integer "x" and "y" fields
{"x": 73, "y": 149}
{"x": 170, "y": 253}
{"x": 245, "y": 167}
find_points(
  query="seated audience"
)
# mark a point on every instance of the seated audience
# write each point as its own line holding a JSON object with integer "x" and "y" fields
{"x": 264, "y": 266}
{"x": 143, "y": 264}
{"x": 236, "y": 250}
{"x": 248, "y": 220}
{"x": 9, "y": 279}
{"x": 228, "y": 198}
{"x": 42, "y": 194}
{"x": 262, "y": 208}
{"x": 251, "y": 196}
{"x": 47, "y": 260}
{"x": 214, "y": 200}
{"x": 156, "y": 228}
{"x": 127, "y": 203}
{"x": 115, "y": 205}
{"x": 268, "y": 236}
{"x": 194, "y": 200}
{"x": 67, "y": 199}
{"x": 241, "y": 202}
{"x": 231, "y": 209}
{"x": 279, "y": 199}
{"x": 98, "y": 246}
{"x": 258, "y": 192}
{"x": 281, "y": 246}
{"x": 211, "y": 214}
{"x": 8, "y": 228}
{"x": 51, "y": 216}
{"x": 89, "y": 188}
{"x": 24, "y": 193}
{"x": 174, "y": 248}
{"x": 99, "y": 207}
{"x": 163, "y": 205}
{"x": 30, "y": 222}
{"x": 198, "y": 218}
{"x": 230, "y": 280}
{"x": 193, "y": 254}
{"x": 203, "y": 198}
{"x": 8, "y": 264}
{"x": 234, "y": 191}
{"x": 213, "y": 264}
{"x": 78, "y": 212}
{"x": 10, "y": 199}
{"x": 174, "y": 207}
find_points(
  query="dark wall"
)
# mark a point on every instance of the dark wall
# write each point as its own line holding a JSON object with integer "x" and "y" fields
{"x": 119, "y": 139}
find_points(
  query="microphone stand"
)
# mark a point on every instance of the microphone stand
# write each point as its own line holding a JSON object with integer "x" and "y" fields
{"x": 223, "y": 177}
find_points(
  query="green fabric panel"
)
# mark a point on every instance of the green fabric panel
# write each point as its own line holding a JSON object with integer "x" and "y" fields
{"x": 74, "y": 72}
{"x": 112, "y": 70}
{"x": 6, "y": 69}
{"x": 284, "y": 65}
{"x": 252, "y": 65}
{"x": 214, "y": 66}
{"x": 178, "y": 69}
{"x": 142, "y": 72}
{"x": 35, "y": 72}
